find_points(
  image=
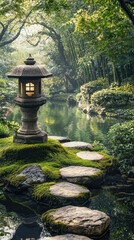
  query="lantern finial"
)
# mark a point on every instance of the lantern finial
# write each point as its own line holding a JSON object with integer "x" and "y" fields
{"x": 30, "y": 60}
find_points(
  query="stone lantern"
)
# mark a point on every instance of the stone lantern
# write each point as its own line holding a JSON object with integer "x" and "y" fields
{"x": 29, "y": 100}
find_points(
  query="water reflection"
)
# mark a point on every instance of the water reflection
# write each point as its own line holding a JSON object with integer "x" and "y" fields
{"x": 30, "y": 231}
{"x": 61, "y": 120}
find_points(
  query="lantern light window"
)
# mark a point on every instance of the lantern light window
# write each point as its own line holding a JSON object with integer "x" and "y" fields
{"x": 29, "y": 89}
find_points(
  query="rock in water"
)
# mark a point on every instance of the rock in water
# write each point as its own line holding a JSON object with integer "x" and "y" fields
{"x": 77, "y": 220}
{"x": 78, "y": 145}
{"x": 60, "y": 139}
{"x": 87, "y": 176}
{"x": 93, "y": 156}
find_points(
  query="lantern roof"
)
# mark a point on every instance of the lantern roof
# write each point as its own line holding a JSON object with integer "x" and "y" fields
{"x": 29, "y": 70}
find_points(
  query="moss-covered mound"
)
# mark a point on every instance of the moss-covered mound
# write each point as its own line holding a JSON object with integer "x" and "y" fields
{"x": 50, "y": 156}
{"x": 61, "y": 194}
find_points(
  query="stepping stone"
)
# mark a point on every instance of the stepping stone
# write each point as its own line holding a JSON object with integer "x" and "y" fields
{"x": 67, "y": 237}
{"x": 93, "y": 156}
{"x": 61, "y": 194}
{"x": 68, "y": 190}
{"x": 87, "y": 176}
{"x": 77, "y": 220}
{"x": 78, "y": 145}
{"x": 59, "y": 138}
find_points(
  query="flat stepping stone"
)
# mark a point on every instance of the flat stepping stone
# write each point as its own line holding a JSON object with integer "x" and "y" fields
{"x": 93, "y": 156}
{"x": 78, "y": 145}
{"x": 87, "y": 176}
{"x": 67, "y": 190}
{"x": 67, "y": 237}
{"x": 77, "y": 220}
{"x": 59, "y": 138}
{"x": 63, "y": 193}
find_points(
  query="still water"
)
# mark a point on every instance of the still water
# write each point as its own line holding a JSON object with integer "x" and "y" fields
{"x": 61, "y": 120}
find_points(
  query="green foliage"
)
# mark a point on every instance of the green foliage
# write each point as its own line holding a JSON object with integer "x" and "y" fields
{"x": 4, "y": 131}
{"x": 121, "y": 143}
{"x": 89, "y": 88}
{"x": 105, "y": 24}
{"x": 110, "y": 98}
{"x": 125, "y": 88}
{"x": 2, "y": 83}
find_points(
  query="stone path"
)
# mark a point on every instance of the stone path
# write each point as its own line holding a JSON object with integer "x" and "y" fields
{"x": 82, "y": 175}
{"x": 60, "y": 139}
{"x": 78, "y": 145}
{"x": 79, "y": 220}
{"x": 93, "y": 156}
{"x": 67, "y": 237}
{"x": 67, "y": 190}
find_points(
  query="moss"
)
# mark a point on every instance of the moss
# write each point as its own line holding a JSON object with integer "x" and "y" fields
{"x": 96, "y": 180}
{"x": 2, "y": 197}
{"x": 51, "y": 156}
{"x": 53, "y": 226}
{"x": 42, "y": 193}
{"x": 17, "y": 181}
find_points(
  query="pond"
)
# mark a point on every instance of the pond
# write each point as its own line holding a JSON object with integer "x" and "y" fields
{"x": 61, "y": 120}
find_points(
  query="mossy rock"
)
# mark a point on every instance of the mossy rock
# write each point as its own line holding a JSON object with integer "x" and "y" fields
{"x": 87, "y": 176}
{"x": 77, "y": 220}
{"x": 61, "y": 194}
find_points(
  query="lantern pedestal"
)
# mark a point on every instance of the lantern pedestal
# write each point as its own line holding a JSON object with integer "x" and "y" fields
{"x": 30, "y": 139}
{"x": 29, "y": 100}
{"x": 29, "y": 131}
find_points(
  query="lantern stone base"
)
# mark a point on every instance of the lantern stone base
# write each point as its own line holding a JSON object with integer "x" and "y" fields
{"x": 30, "y": 139}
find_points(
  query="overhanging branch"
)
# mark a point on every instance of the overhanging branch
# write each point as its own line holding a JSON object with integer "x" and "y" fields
{"x": 127, "y": 10}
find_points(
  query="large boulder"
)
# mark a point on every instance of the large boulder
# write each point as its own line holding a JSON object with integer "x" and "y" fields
{"x": 87, "y": 176}
{"x": 77, "y": 220}
{"x": 78, "y": 145}
{"x": 67, "y": 237}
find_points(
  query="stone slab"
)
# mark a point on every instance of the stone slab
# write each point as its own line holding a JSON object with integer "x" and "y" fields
{"x": 78, "y": 145}
{"x": 79, "y": 220}
{"x": 93, "y": 156}
{"x": 67, "y": 237}
{"x": 60, "y": 139}
{"x": 67, "y": 190}
{"x": 81, "y": 175}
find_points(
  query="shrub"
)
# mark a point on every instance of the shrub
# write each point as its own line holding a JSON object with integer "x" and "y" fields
{"x": 2, "y": 83}
{"x": 89, "y": 88}
{"x": 110, "y": 98}
{"x": 4, "y": 131}
{"x": 121, "y": 142}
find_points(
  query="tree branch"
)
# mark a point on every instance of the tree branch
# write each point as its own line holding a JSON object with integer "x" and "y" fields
{"x": 126, "y": 10}
{"x": 36, "y": 44}
{"x": 17, "y": 34}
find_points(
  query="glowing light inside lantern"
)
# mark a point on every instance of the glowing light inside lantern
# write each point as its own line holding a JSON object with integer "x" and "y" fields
{"x": 29, "y": 89}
